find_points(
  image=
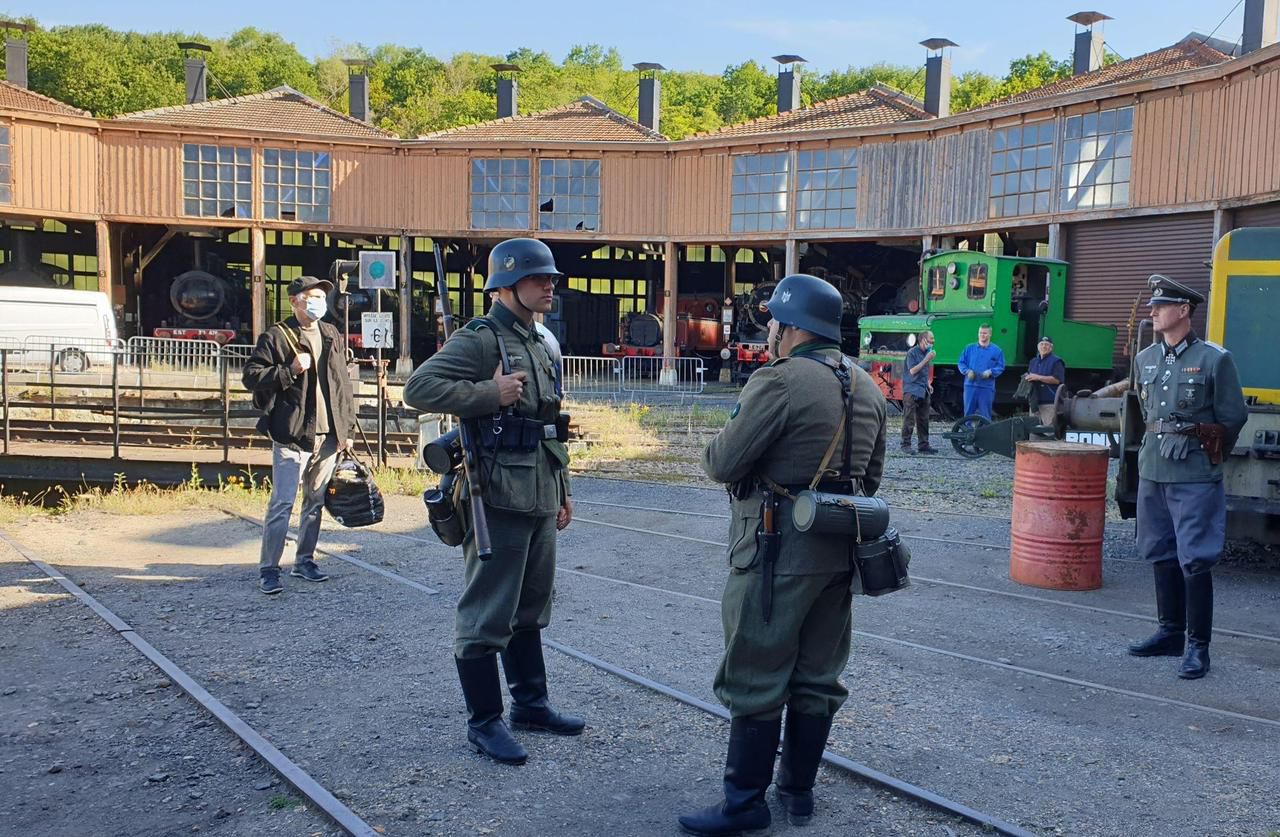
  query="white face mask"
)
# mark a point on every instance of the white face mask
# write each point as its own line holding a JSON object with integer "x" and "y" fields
{"x": 317, "y": 307}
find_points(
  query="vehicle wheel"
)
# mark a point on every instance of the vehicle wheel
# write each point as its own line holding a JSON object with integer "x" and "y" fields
{"x": 965, "y": 427}
{"x": 73, "y": 360}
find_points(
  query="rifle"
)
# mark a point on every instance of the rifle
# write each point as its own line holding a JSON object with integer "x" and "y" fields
{"x": 479, "y": 521}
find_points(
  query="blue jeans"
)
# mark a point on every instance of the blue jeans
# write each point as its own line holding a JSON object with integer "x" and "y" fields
{"x": 290, "y": 468}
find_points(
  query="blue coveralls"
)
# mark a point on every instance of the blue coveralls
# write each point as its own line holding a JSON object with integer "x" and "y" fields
{"x": 980, "y": 393}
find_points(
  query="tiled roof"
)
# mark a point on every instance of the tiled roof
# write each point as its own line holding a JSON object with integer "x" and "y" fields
{"x": 279, "y": 109}
{"x": 877, "y": 105}
{"x": 13, "y": 97}
{"x": 1190, "y": 53}
{"x": 587, "y": 119}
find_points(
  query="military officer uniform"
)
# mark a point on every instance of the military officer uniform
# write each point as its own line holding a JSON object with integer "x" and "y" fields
{"x": 776, "y": 436}
{"x": 506, "y": 599}
{"x": 1181, "y": 499}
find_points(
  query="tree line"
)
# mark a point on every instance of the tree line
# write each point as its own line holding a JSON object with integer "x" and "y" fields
{"x": 110, "y": 72}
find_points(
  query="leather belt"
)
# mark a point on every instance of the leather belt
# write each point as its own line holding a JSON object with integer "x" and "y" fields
{"x": 1161, "y": 426}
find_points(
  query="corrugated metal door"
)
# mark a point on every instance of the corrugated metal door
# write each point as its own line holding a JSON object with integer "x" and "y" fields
{"x": 1111, "y": 260}
{"x": 1263, "y": 215}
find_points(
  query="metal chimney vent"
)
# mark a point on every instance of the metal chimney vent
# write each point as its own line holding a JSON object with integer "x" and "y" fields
{"x": 937, "y": 77}
{"x": 196, "y": 71}
{"x": 508, "y": 89}
{"x": 648, "y": 110}
{"x": 788, "y": 82}
{"x": 357, "y": 88}
{"x": 1089, "y": 47}
{"x": 1260, "y": 23}
{"x": 15, "y": 53}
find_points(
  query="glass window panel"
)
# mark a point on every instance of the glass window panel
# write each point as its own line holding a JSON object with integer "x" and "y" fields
{"x": 242, "y": 209}
{"x": 849, "y": 218}
{"x": 305, "y": 159}
{"x": 1044, "y": 155}
{"x": 190, "y": 153}
{"x": 209, "y": 208}
{"x": 802, "y": 219}
{"x": 1122, "y": 170}
{"x": 1124, "y": 145}
{"x": 1027, "y": 181}
{"x": 288, "y": 158}
{"x": 288, "y": 176}
{"x": 322, "y": 159}
{"x": 191, "y": 207}
{"x": 997, "y": 186}
{"x": 1044, "y": 179}
{"x": 190, "y": 189}
{"x": 577, "y": 168}
{"x": 1042, "y": 202}
{"x": 1071, "y": 151}
{"x": 1090, "y": 124}
{"x": 270, "y": 175}
{"x": 1026, "y": 203}
{"x": 804, "y": 159}
{"x": 208, "y": 171}
{"x": 1102, "y": 194}
{"x": 593, "y": 186}
{"x": 304, "y": 177}
{"x": 1107, "y": 122}
{"x": 507, "y": 165}
{"x": 477, "y": 169}
{"x": 1013, "y": 160}
{"x": 227, "y": 172}
{"x": 304, "y": 195}
{"x": 1124, "y": 119}
{"x": 1014, "y": 136}
{"x": 242, "y": 191}
{"x": 1046, "y": 132}
{"x": 1120, "y": 194}
{"x": 562, "y": 168}
{"x": 1074, "y": 124}
{"x": 208, "y": 153}
{"x": 999, "y": 140}
{"x": 242, "y": 174}
{"x": 225, "y": 154}
{"x": 191, "y": 171}
{"x": 288, "y": 194}
{"x": 271, "y": 194}
{"x": 1011, "y": 205}
{"x": 209, "y": 189}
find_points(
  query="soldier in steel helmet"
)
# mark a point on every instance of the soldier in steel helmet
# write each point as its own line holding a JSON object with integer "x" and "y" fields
{"x": 1194, "y": 410}
{"x": 790, "y": 656}
{"x": 506, "y": 601}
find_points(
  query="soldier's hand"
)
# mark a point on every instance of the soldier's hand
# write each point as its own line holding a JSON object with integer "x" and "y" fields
{"x": 565, "y": 515}
{"x": 510, "y": 387}
{"x": 971, "y": 375}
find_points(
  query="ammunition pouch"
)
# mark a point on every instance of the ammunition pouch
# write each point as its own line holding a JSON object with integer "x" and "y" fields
{"x": 507, "y": 431}
{"x": 562, "y": 427}
{"x": 882, "y": 564}
{"x": 444, "y": 510}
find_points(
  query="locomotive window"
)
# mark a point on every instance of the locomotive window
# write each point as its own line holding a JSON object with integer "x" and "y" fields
{"x": 759, "y": 196}
{"x": 569, "y": 195}
{"x": 500, "y": 194}
{"x": 977, "y": 281}
{"x": 1021, "y": 169}
{"x": 6, "y": 171}
{"x": 1096, "y": 157}
{"x": 937, "y": 282}
{"x": 827, "y": 188}
{"x": 296, "y": 185}
{"x": 216, "y": 181}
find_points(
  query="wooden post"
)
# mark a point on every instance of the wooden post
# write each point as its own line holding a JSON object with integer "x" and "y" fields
{"x": 1057, "y": 242}
{"x": 404, "y": 364}
{"x": 793, "y": 256}
{"x": 106, "y": 269}
{"x": 670, "y": 294}
{"x": 730, "y": 282}
{"x": 258, "y": 272}
{"x": 1223, "y": 222}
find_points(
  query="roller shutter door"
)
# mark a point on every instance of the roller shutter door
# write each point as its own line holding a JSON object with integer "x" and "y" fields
{"x": 1264, "y": 215}
{"x": 1111, "y": 260}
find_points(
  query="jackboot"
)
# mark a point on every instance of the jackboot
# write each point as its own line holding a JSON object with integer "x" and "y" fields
{"x": 1171, "y": 612}
{"x": 1195, "y": 664}
{"x": 486, "y": 731}
{"x": 527, "y": 679}
{"x": 748, "y": 772}
{"x": 798, "y": 769}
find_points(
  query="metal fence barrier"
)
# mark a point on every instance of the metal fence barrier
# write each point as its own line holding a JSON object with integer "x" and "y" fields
{"x": 45, "y": 352}
{"x": 684, "y": 375}
{"x": 591, "y": 375}
{"x": 167, "y": 354}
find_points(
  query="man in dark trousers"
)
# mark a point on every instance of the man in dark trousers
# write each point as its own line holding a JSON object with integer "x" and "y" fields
{"x": 298, "y": 373}
{"x": 915, "y": 392}
{"x": 1194, "y": 410}
{"x": 1045, "y": 372}
{"x": 788, "y": 426}
{"x": 499, "y": 374}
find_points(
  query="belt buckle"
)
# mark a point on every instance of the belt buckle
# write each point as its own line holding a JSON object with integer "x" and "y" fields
{"x": 548, "y": 431}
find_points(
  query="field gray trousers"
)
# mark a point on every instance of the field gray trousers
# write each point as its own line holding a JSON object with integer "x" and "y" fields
{"x": 290, "y": 468}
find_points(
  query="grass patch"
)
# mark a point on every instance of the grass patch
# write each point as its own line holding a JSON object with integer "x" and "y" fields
{"x": 283, "y": 802}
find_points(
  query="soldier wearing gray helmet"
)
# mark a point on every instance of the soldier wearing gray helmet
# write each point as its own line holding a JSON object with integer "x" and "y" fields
{"x": 500, "y": 373}
{"x": 786, "y": 649}
{"x": 1194, "y": 409}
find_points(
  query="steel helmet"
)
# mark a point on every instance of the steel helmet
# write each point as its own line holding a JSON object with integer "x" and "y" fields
{"x": 807, "y": 302}
{"x": 516, "y": 258}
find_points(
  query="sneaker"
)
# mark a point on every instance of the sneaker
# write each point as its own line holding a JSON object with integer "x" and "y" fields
{"x": 270, "y": 584}
{"x": 927, "y": 449}
{"x": 906, "y": 447}
{"x": 309, "y": 571}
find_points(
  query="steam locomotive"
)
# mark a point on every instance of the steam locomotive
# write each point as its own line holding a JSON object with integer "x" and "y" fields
{"x": 205, "y": 306}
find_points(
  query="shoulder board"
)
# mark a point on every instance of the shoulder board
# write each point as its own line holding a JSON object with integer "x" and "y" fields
{"x": 1212, "y": 345}
{"x": 478, "y": 323}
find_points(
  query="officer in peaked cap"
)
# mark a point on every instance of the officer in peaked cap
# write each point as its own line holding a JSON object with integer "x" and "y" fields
{"x": 506, "y": 600}
{"x": 1194, "y": 409}
{"x": 791, "y": 655}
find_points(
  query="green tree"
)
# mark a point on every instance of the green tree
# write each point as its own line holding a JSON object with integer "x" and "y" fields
{"x": 251, "y": 61}
{"x": 747, "y": 91}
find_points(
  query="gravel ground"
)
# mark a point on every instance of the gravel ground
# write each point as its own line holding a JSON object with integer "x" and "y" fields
{"x": 353, "y": 680}
{"x": 95, "y": 740}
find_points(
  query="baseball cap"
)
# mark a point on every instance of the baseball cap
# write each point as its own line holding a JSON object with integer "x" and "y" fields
{"x": 306, "y": 283}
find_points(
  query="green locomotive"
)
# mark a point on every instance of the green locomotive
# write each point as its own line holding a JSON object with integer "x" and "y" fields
{"x": 1021, "y": 298}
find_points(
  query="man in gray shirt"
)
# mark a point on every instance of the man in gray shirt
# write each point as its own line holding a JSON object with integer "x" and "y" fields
{"x": 915, "y": 392}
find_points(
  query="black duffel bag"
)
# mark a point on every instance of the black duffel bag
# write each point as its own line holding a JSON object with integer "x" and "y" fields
{"x": 352, "y": 498}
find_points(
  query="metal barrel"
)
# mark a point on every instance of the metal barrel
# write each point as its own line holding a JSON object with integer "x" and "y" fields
{"x": 1059, "y": 511}
{"x": 840, "y": 514}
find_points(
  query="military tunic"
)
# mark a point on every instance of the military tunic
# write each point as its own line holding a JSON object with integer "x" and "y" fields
{"x": 781, "y": 427}
{"x": 1181, "y": 499}
{"x": 523, "y": 490}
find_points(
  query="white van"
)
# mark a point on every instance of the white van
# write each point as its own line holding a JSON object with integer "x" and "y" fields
{"x": 75, "y": 329}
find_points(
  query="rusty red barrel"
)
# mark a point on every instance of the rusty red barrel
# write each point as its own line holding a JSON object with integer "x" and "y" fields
{"x": 1059, "y": 510}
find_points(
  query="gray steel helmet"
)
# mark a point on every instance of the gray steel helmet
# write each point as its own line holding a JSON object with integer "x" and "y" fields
{"x": 516, "y": 258}
{"x": 807, "y": 302}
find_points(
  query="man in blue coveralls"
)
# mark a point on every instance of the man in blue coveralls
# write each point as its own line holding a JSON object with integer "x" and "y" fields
{"x": 981, "y": 363}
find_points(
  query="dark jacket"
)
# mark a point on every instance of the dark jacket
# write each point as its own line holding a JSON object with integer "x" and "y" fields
{"x": 290, "y": 399}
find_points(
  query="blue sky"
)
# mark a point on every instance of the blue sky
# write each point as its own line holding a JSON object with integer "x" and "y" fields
{"x": 682, "y": 34}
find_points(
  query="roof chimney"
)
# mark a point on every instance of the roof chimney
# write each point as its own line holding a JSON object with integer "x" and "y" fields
{"x": 195, "y": 69}
{"x": 788, "y": 82}
{"x": 15, "y": 52}
{"x": 937, "y": 77}
{"x": 1259, "y": 24}
{"x": 357, "y": 88}
{"x": 508, "y": 90}
{"x": 650, "y": 105}
{"x": 1089, "y": 45}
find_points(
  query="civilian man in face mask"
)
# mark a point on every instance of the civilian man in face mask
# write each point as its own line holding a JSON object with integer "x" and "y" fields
{"x": 298, "y": 376}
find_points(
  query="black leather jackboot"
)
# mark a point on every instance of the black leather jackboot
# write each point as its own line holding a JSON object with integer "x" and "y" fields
{"x": 527, "y": 679}
{"x": 1171, "y": 611}
{"x": 802, "y": 748}
{"x": 486, "y": 731}
{"x": 1195, "y": 664}
{"x": 748, "y": 772}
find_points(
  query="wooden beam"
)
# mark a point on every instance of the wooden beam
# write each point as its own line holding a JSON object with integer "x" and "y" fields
{"x": 793, "y": 256}
{"x": 106, "y": 269}
{"x": 670, "y": 294}
{"x": 404, "y": 364}
{"x": 1223, "y": 223}
{"x": 155, "y": 250}
{"x": 1057, "y": 242}
{"x": 258, "y": 280}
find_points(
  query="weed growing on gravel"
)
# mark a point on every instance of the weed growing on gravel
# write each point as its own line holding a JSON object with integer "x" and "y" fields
{"x": 282, "y": 801}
